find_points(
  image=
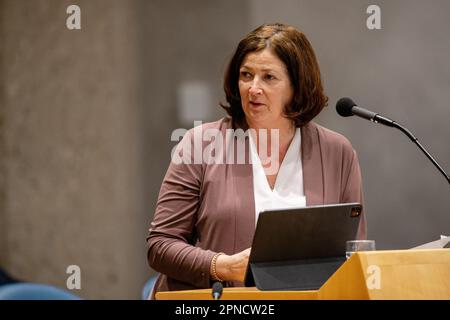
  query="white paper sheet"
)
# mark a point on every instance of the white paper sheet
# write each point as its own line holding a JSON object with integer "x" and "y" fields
{"x": 438, "y": 244}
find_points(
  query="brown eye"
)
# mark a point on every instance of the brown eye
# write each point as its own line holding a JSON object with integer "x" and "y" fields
{"x": 245, "y": 74}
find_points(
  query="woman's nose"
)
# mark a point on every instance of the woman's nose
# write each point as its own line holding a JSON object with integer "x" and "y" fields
{"x": 255, "y": 89}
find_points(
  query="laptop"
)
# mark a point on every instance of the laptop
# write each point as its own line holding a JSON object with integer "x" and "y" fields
{"x": 300, "y": 248}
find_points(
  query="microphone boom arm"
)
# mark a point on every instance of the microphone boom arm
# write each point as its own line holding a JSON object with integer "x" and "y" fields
{"x": 394, "y": 124}
{"x": 346, "y": 107}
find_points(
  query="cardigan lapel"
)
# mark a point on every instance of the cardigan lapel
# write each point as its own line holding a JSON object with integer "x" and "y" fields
{"x": 244, "y": 200}
{"x": 313, "y": 184}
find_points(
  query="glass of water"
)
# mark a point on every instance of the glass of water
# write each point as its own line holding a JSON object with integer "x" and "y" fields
{"x": 353, "y": 246}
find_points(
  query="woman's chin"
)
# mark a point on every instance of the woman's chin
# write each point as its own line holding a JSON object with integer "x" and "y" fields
{"x": 256, "y": 118}
{"x": 256, "y": 110}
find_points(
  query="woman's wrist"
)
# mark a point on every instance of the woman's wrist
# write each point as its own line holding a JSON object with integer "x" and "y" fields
{"x": 220, "y": 267}
{"x": 213, "y": 270}
{"x": 230, "y": 268}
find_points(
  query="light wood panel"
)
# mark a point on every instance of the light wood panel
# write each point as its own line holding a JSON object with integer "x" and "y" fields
{"x": 396, "y": 274}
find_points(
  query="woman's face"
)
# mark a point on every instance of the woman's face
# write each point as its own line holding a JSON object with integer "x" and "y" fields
{"x": 265, "y": 89}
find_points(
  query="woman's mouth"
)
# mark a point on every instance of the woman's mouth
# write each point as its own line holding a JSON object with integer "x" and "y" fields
{"x": 256, "y": 104}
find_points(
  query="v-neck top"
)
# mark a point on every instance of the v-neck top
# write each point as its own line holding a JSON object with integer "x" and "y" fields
{"x": 288, "y": 189}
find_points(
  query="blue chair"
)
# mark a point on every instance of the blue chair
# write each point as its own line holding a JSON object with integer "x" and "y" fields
{"x": 148, "y": 287}
{"x": 34, "y": 291}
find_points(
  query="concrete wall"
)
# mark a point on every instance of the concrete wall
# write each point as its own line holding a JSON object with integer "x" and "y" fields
{"x": 72, "y": 146}
{"x": 85, "y": 122}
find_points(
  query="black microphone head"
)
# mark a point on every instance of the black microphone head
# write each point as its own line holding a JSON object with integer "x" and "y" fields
{"x": 217, "y": 289}
{"x": 344, "y": 107}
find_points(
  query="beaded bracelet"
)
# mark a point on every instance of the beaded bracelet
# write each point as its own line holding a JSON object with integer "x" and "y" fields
{"x": 213, "y": 271}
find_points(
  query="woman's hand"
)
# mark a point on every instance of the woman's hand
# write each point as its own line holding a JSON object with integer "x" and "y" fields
{"x": 233, "y": 267}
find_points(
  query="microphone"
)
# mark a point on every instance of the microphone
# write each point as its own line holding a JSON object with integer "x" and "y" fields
{"x": 217, "y": 290}
{"x": 345, "y": 107}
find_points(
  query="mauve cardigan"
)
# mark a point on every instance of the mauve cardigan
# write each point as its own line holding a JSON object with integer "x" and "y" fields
{"x": 204, "y": 208}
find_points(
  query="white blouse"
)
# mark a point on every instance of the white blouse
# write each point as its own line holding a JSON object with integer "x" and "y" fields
{"x": 288, "y": 190}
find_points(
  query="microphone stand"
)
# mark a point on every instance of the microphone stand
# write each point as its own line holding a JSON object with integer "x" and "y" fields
{"x": 380, "y": 119}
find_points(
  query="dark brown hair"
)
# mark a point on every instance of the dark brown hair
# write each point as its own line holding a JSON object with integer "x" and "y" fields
{"x": 293, "y": 48}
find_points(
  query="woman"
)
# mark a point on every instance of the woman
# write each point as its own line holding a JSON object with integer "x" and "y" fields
{"x": 206, "y": 212}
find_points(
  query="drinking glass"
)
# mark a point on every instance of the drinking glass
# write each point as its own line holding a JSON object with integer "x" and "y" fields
{"x": 353, "y": 246}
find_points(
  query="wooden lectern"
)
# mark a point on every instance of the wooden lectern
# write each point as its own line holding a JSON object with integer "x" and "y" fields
{"x": 396, "y": 274}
